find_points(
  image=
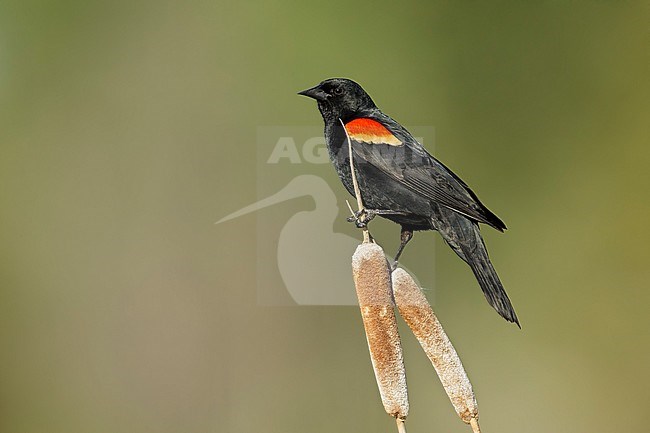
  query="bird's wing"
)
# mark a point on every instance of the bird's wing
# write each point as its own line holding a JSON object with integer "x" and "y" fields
{"x": 383, "y": 143}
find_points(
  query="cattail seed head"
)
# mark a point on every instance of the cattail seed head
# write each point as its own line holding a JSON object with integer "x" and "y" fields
{"x": 417, "y": 313}
{"x": 373, "y": 285}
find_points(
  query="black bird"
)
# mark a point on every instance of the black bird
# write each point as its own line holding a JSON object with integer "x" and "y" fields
{"x": 399, "y": 180}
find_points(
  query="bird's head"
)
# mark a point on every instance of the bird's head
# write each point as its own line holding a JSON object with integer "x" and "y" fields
{"x": 339, "y": 98}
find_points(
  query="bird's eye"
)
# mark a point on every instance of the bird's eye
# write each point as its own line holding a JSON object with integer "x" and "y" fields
{"x": 338, "y": 90}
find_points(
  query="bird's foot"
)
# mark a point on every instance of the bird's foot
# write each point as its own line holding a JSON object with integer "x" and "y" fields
{"x": 362, "y": 217}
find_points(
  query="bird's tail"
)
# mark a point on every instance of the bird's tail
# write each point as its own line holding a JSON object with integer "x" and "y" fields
{"x": 491, "y": 285}
{"x": 464, "y": 237}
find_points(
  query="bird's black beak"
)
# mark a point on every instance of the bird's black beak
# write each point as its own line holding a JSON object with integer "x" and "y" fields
{"x": 315, "y": 93}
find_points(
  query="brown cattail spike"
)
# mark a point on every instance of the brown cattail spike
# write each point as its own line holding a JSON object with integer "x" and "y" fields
{"x": 372, "y": 281}
{"x": 417, "y": 313}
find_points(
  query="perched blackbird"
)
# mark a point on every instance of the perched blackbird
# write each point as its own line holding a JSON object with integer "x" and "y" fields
{"x": 399, "y": 180}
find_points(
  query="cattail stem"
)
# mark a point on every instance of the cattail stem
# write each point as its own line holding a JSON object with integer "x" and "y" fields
{"x": 401, "y": 425}
{"x": 355, "y": 183}
{"x": 475, "y": 427}
{"x": 372, "y": 281}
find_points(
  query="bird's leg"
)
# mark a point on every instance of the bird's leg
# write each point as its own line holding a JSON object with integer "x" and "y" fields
{"x": 405, "y": 237}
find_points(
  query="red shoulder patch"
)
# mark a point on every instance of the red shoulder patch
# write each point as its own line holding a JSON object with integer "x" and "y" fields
{"x": 370, "y": 131}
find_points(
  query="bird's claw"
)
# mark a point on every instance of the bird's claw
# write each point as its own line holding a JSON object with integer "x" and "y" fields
{"x": 361, "y": 218}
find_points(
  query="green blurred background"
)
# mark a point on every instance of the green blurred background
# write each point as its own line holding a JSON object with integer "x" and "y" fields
{"x": 128, "y": 127}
